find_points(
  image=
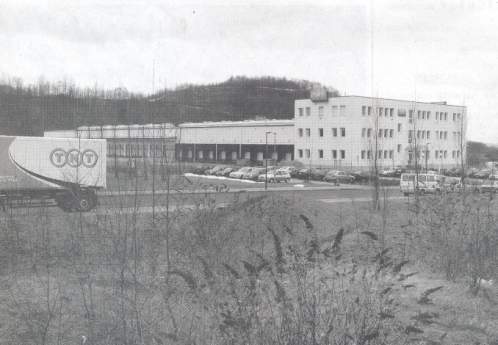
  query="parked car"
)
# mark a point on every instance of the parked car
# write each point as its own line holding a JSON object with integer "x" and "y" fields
{"x": 471, "y": 172}
{"x": 488, "y": 186}
{"x": 215, "y": 170}
{"x": 361, "y": 176}
{"x": 318, "y": 174}
{"x": 288, "y": 169}
{"x": 240, "y": 173}
{"x": 337, "y": 176}
{"x": 225, "y": 172}
{"x": 303, "y": 174}
{"x": 275, "y": 176}
{"x": 483, "y": 173}
{"x": 391, "y": 172}
{"x": 198, "y": 170}
{"x": 454, "y": 172}
{"x": 253, "y": 174}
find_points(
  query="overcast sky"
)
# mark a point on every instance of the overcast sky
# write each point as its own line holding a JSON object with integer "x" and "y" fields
{"x": 423, "y": 50}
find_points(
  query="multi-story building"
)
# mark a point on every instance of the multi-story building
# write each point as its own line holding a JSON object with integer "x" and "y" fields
{"x": 358, "y": 132}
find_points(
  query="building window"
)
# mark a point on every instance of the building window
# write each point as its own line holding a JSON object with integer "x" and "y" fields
{"x": 320, "y": 132}
{"x": 343, "y": 132}
{"x": 385, "y": 154}
{"x": 391, "y": 133}
{"x": 369, "y": 154}
{"x": 364, "y": 110}
{"x": 320, "y": 111}
{"x": 401, "y": 112}
{"x": 363, "y": 154}
{"x": 343, "y": 154}
{"x": 418, "y": 114}
{"x": 386, "y": 112}
{"x": 300, "y": 110}
{"x": 423, "y": 115}
{"x": 334, "y": 110}
{"x": 386, "y": 132}
{"x": 454, "y": 119}
{"x": 436, "y": 154}
{"x": 380, "y": 133}
{"x": 423, "y": 134}
{"x": 308, "y": 111}
{"x": 399, "y": 127}
{"x": 334, "y": 154}
{"x": 399, "y": 148}
{"x": 391, "y": 154}
{"x": 300, "y": 131}
{"x": 391, "y": 112}
{"x": 379, "y": 155}
{"x": 445, "y": 116}
{"x": 300, "y": 153}
{"x": 308, "y": 153}
{"x": 320, "y": 153}
{"x": 308, "y": 132}
{"x": 334, "y": 132}
{"x": 380, "y": 111}
{"x": 428, "y": 115}
{"x": 369, "y": 111}
{"x": 369, "y": 132}
{"x": 342, "y": 110}
{"x": 453, "y": 154}
{"x": 437, "y": 115}
{"x": 428, "y": 135}
{"x": 445, "y": 154}
{"x": 363, "y": 132}
{"x": 445, "y": 136}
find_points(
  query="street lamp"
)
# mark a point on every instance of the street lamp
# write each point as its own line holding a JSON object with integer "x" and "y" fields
{"x": 266, "y": 157}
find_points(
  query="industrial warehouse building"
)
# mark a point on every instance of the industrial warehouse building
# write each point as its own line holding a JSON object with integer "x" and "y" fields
{"x": 336, "y": 132}
{"x": 225, "y": 141}
{"x": 353, "y": 131}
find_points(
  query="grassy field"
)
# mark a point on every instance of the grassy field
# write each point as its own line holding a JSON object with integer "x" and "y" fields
{"x": 264, "y": 271}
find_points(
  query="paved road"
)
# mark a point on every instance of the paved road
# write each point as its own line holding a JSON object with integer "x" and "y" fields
{"x": 129, "y": 202}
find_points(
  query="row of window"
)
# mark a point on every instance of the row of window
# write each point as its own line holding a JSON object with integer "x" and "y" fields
{"x": 335, "y": 132}
{"x": 335, "y": 154}
{"x": 367, "y": 110}
{"x": 381, "y": 154}
{"x": 336, "y": 110}
{"x": 383, "y": 132}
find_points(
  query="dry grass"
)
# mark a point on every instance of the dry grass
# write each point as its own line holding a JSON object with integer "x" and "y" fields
{"x": 264, "y": 271}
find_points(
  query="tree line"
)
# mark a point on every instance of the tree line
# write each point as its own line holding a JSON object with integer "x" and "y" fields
{"x": 30, "y": 109}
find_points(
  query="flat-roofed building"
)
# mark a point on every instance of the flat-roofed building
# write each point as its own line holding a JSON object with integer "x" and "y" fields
{"x": 357, "y": 132}
{"x": 232, "y": 140}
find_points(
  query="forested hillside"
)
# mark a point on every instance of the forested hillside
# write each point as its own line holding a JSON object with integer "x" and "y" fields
{"x": 29, "y": 109}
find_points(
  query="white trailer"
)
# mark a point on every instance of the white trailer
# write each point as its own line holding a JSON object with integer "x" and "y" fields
{"x": 68, "y": 171}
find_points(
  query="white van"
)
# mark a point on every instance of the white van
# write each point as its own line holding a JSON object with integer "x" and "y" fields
{"x": 424, "y": 183}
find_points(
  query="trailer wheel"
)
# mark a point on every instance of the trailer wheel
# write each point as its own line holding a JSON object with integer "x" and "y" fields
{"x": 85, "y": 201}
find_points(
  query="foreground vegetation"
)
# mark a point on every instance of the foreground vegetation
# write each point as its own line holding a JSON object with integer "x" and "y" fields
{"x": 269, "y": 270}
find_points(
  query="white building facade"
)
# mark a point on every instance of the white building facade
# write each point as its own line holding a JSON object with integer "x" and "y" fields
{"x": 358, "y": 132}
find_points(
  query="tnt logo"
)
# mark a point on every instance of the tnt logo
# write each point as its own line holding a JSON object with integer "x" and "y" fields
{"x": 74, "y": 158}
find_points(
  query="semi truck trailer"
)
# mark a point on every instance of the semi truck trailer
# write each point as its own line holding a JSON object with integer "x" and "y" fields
{"x": 64, "y": 171}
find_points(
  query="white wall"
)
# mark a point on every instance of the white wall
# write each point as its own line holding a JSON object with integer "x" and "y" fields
{"x": 243, "y": 132}
{"x": 352, "y": 119}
